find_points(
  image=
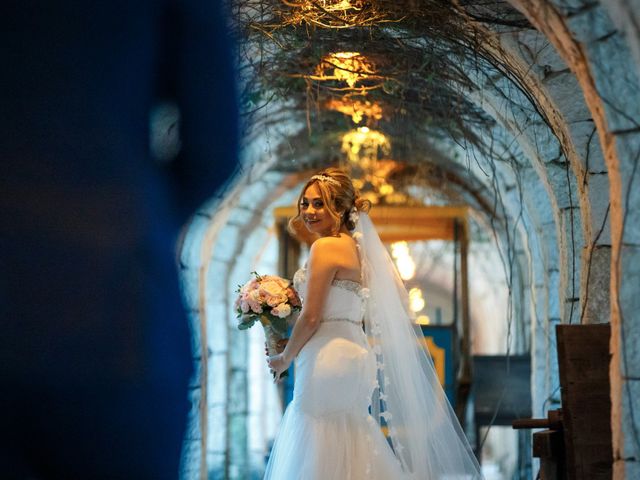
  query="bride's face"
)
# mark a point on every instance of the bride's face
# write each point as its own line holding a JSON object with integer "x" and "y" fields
{"x": 314, "y": 212}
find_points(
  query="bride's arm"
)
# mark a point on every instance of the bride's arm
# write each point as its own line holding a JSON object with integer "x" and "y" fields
{"x": 321, "y": 268}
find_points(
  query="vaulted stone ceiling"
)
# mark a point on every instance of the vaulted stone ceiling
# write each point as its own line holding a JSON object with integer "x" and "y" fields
{"x": 528, "y": 111}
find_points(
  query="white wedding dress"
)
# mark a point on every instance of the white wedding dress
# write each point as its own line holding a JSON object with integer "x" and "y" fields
{"x": 327, "y": 432}
{"x": 347, "y": 384}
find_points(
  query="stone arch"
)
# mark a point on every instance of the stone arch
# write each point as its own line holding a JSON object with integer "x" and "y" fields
{"x": 585, "y": 37}
{"x": 566, "y": 198}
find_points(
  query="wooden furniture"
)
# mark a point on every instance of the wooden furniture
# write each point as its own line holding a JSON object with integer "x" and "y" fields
{"x": 577, "y": 442}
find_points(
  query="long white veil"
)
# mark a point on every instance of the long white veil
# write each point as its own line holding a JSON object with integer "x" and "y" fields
{"x": 424, "y": 431}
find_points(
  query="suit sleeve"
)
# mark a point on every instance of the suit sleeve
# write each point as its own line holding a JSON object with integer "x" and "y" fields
{"x": 205, "y": 90}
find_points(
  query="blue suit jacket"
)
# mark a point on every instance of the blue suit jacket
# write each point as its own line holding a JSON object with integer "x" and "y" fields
{"x": 89, "y": 299}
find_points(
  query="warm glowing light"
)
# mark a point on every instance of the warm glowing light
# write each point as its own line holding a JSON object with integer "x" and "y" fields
{"x": 356, "y": 109}
{"x": 406, "y": 268}
{"x": 386, "y": 189}
{"x": 416, "y": 302}
{"x": 371, "y": 196}
{"x": 349, "y": 67}
{"x": 399, "y": 248}
{"x": 405, "y": 264}
{"x": 363, "y": 147}
{"x": 397, "y": 198}
{"x": 423, "y": 320}
{"x": 358, "y": 183}
{"x": 338, "y": 14}
{"x": 331, "y": 5}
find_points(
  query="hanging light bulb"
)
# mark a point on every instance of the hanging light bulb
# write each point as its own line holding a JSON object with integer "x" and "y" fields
{"x": 364, "y": 146}
{"x": 416, "y": 301}
{"x": 405, "y": 264}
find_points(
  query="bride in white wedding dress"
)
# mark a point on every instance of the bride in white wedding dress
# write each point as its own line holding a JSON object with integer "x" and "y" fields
{"x": 358, "y": 360}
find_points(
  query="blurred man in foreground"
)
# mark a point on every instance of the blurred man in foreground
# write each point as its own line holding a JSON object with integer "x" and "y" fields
{"x": 95, "y": 352}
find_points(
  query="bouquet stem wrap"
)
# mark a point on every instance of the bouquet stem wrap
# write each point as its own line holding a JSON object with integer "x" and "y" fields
{"x": 274, "y": 338}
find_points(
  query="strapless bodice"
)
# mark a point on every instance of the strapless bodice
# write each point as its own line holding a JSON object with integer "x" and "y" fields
{"x": 345, "y": 301}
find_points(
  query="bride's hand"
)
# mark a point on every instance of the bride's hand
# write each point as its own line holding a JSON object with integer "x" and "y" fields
{"x": 278, "y": 364}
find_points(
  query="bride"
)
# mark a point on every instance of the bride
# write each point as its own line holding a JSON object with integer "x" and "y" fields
{"x": 359, "y": 360}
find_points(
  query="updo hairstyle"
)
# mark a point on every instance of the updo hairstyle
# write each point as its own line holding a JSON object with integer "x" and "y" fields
{"x": 338, "y": 198}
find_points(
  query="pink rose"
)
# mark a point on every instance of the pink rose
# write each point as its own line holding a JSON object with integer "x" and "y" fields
{"x": 254, "y": 301}
{"x": 244, "y": 306}
{"x": 294, "y": 299}
{"x": 250, "y": 285}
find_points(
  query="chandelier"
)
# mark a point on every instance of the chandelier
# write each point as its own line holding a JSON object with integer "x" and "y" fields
{"x": 356, "y": 109}
{"x": 337, "y": 14}
{"x": 351, "y": 68}
{"x": 363, "y": 147}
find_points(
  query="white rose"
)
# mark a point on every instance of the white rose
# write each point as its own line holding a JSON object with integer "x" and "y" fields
{"x": 283, "y": 310}
{"x": 283, "y": 282}
{"x": 271, "y": 287}
{"x": 273, "y": 292}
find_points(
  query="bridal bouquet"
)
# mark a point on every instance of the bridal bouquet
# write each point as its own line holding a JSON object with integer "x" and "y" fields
{"x": 270, "y": 300}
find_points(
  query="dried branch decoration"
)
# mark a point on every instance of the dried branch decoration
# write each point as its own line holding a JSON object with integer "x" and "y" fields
{"x": 334, "y": 14}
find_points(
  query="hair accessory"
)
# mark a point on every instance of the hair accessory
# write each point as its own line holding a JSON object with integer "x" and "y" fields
{"x": 353, "y": 215}
{"x": 326, "y": 178}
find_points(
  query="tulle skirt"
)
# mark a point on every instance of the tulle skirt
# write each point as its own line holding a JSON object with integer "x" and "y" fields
{"x": 326, "y": 432}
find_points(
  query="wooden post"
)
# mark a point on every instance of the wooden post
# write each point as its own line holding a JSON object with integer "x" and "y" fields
{"x": 578, "y": 444}
{"x": 583, "y": 360}
{"x": 464, "y": 306}
{"x": 464, "y": 383}
{"x": 548, "y": 445}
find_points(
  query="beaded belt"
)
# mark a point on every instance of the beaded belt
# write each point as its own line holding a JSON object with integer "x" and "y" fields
{"x": 355, "y": 322}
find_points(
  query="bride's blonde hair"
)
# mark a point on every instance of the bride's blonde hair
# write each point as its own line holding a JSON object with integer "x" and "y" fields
{"x": 339, "y": 197}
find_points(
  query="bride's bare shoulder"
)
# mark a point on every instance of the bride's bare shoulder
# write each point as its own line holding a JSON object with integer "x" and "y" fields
{"x": 323, "y": 245}
{"x": 334, "y": 256}
{"x": 331, "y": 244}
{"x": 335, "y": 251}
{"x": 329, "y": 249}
